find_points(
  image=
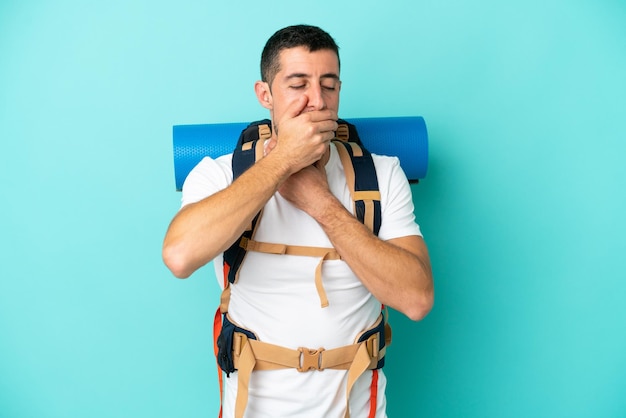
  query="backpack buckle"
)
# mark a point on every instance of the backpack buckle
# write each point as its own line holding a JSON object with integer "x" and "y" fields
{"x": 343, "y": 133}
{"x": 265, "y": 132}
{"x": 310, "y": 359}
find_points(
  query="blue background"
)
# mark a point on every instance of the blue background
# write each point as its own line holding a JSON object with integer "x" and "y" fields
{"x": 523, "y": 206}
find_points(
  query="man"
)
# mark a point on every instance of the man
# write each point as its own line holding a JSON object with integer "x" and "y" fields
{"x": 301, "y": 186}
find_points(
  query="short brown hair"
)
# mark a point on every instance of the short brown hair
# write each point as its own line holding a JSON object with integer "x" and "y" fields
{"x": 311, "y": 37}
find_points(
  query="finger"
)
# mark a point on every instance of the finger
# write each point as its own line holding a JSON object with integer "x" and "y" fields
{"x": 327, "y": 136}
{"x": 327, "y": 125}
{"x": 322, "y": 115}
{"x": 296, "y": 108}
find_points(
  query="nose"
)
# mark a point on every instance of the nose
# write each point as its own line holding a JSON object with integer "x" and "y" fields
{"x": 316, "y": 99}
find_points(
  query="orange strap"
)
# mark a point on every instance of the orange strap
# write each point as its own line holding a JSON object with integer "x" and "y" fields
{"x": 217, "y": 330}
{"x": 373, "y": 394}
{"x": 374, "y": 385}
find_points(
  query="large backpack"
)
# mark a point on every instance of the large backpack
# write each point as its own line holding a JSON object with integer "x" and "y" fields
{"x": 363, "y": 185}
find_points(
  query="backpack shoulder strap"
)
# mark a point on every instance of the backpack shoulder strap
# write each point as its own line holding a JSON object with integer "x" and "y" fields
{"x": 246, "y": 152}
{"x": 249, "y": 149}
{"x": 361, "y": 178}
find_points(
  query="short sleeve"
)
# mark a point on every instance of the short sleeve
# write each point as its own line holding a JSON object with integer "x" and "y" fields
{"x": 208, "y": 177}
{"x": 397, "y": 209}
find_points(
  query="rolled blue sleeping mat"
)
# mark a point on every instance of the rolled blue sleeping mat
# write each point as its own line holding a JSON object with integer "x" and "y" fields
{"x": 402, "y": 137}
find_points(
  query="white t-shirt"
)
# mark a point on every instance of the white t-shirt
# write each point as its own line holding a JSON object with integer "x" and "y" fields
{"x": 275, "y": 296}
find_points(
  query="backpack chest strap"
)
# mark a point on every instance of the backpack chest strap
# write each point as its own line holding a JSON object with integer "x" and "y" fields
{"x": 282, "y": 249}
{"x": 328, "y": 253}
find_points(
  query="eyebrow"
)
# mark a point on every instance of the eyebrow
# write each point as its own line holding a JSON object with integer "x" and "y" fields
{"x": 303, "y": 75}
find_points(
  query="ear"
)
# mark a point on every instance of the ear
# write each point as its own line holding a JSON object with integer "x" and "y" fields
{"x": 263, "y": 94}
